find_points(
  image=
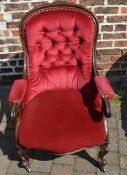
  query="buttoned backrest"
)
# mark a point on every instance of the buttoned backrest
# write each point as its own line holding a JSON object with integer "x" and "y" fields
{"x": 60, "y": 39}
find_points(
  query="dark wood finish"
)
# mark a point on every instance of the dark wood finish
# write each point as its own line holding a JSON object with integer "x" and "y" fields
{"x": 15, "y": 111}
{"x": 103, "y": 151}
{"x": 106, "y": 107}
{"x": 24, "y": 155}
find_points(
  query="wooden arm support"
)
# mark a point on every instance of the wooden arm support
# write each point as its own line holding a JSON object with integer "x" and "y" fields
{"x": 106, "y": 106}
{"x": 15, "y": 111}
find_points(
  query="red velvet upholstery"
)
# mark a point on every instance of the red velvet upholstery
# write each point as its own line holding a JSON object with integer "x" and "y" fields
{"x": 60, "y": 122}
{"x": 62, "y": 110}
{"x": 56, "y": 78}
{"x": 17, "y": 91}
{"x": 104, "y": 87}
{"x": 60, "y": 50}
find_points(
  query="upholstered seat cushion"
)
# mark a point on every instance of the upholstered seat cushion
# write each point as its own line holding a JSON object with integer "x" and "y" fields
{"x": 60, "y": 121}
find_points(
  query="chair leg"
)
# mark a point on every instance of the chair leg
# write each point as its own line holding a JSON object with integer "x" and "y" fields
{"x": 103, "y": 151}
{"x": 24, "y": 155}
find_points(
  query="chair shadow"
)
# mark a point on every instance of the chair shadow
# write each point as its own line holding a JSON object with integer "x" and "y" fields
{"x": 124, "y": 117}
{"x": 7, "y": 141}
{"x": 83, "y": 154}
{"x": 7, "y": 127}
{"x": 120, "y": 87}
{"x": 45, "y": 156}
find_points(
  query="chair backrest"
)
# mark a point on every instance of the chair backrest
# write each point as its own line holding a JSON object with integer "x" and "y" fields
{"x": 60, "y": 37}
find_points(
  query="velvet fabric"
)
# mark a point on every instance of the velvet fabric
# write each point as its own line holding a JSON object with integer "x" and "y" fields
{"x": 17, "y": 91}
{"x": 56, "y": 78}
{"x": 61, "y": 121}
{"x": 62, "y": 110}
{"x": 104, "y": 87}
{"x": 60, "y": 50}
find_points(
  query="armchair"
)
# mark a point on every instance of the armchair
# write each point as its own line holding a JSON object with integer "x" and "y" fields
{"x": 61, "y": 96}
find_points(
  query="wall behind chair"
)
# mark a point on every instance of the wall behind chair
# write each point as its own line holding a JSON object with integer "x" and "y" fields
{"x": 112, "y": 40}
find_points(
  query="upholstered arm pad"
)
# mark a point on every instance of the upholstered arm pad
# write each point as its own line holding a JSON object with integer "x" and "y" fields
{"x": 104, "y": 87}
{"x": 17, "y": 91}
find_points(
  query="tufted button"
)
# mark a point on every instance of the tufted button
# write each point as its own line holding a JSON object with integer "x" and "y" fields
{"x": 45, "y": 53}
{"x": 53, "y": 64}
{"x": 44, "y": 30}
{"x": 59, "y": 30}
{"x": 73, "y": 51}
{"x": 59, "y": 52}
{"x": 53, "y": 42}
{"x": 67, "y": 39}
{"x": 81, "y": 41}
{"x": 79, "y": 63}
{"x": 40, "y": 66}
{"x": 75, "y": 29}
{"x": 39, "y": 44}
{"x": 67, "y": 62}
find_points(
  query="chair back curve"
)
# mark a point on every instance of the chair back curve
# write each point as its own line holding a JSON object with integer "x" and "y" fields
{"x": 59, "y": 41}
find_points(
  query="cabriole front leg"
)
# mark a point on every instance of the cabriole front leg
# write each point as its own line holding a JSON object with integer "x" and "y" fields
{"x": 103, "y": 151}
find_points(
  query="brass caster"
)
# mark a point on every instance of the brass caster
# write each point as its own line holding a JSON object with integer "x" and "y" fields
{"x": 25, "y": 164}
{"x": 102, "y": 169}
{"x": 102, "y": 165}
{"x": 28, "y": 169}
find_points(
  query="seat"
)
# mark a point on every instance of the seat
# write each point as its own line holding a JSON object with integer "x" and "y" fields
{"x": 61, "y": 95}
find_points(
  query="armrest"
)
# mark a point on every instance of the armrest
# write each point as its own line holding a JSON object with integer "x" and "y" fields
{"x": 16, "y": 96}
{"x": 104, "y": 87}
{"x": 17, "y": 91}
{"x": 106, "y": 92}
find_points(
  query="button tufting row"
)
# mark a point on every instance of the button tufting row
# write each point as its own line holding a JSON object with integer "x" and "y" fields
{"x": 60, "y": 39}
{"x": 65, "y": 36}
{"x": 45, "y": 30}
{"x": 58, "y": 62}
